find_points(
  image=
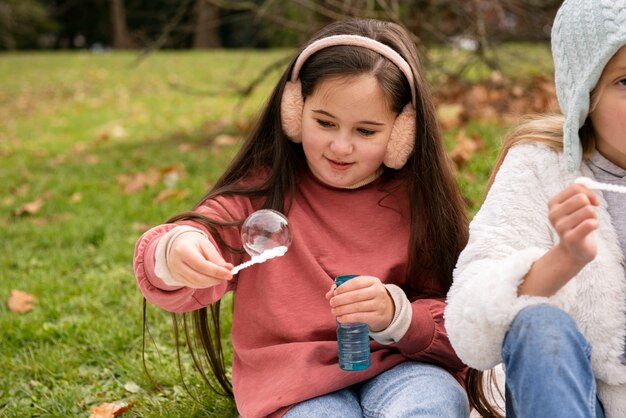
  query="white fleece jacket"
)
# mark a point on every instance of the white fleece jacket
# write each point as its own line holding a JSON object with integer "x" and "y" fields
{"x": 509, "y": 233}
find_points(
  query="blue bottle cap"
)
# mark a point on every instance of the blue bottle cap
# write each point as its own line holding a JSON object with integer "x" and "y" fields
{"x": 339, "y": 280}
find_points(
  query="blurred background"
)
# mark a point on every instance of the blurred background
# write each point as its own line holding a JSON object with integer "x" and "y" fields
{"x": 117, "y": 114}
{"x": 182, "y": 24}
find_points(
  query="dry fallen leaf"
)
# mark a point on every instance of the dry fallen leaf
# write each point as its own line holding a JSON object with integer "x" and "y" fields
{"x": 110, "y": 409}
{"x": 30, "y": 208}
{"x": 170, "y": 194}
{"x": 185, "y": 148}
{"x": 140, "y": 227}
{"x": 20, "y": 191}
{"x": 171, "y": 174}
{"x": 132, "y": 387}
{"x": 114, "y": 131}
{"x": 497, "y": 99}
{"x": 450, "y": 115}
{"x": 224, "y": 140}
{"x": 465, "y": 148}
{"x": 91, "y": 159}
{"x": 135, "y": 182}
{"x": 21, "y": 302}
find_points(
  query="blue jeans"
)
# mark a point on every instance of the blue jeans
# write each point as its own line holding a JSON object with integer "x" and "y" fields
{"x": 409, "y": 389}
{"x": 548, "y": 371}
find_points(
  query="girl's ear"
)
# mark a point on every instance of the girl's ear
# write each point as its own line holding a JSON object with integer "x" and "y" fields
{"x": 402, "y": 139}
{"x": 291, "y": 108}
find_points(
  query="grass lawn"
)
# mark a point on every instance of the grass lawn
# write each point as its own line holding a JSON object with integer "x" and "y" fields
{"x": 93, "y": 151}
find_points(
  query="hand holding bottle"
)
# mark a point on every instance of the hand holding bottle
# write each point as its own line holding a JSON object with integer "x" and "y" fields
{"x": 362, "y": 299}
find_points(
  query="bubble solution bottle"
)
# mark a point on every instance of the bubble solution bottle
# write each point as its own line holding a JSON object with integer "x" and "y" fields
{"x": 353, "y": 339}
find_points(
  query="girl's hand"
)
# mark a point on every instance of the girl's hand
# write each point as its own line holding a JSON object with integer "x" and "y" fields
{"x": 362, "y": 299}
{"x": 572, "y": 214}
{"x": 194, "y": 261}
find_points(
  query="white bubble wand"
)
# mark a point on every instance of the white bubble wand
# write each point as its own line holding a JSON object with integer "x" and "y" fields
{"x": 592, "y": 184}
{"x": 261, "y": 258}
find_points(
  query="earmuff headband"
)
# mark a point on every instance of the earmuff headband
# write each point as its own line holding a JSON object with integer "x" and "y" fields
{"x": 356, "y": 40}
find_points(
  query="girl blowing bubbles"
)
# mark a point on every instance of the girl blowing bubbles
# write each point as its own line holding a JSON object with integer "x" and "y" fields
{"x": 349, "y": 149}
{"x": 541, "y": 285}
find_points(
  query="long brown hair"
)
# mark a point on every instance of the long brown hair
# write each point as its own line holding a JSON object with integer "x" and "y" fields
{"x": 433, "y": 193}
{"x": 544, "y": 129}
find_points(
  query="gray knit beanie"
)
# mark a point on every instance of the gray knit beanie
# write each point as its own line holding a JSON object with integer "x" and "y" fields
{"x": 585, "y": 35}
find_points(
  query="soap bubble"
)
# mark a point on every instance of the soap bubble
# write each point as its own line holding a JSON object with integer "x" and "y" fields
{"x": 264, "y": 230}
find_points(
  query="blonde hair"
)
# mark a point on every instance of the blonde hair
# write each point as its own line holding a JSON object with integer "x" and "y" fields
{"x": 545, "y": 129}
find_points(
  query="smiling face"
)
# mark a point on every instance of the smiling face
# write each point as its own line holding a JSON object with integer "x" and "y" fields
{"x": 609, "y": 115}
{"x": 346, "y": 125}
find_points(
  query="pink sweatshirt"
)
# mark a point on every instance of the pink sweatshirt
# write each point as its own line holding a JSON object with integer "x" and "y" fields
{"x": 283, "y": 332}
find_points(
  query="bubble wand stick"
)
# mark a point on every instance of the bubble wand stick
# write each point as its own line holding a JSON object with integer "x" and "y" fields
{"x": 261, "y": 258}
{"x": 586, "y": 181}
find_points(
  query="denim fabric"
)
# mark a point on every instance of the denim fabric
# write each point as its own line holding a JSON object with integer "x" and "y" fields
{"x": 409, "y": 389}
{"x": 548, "y": 371}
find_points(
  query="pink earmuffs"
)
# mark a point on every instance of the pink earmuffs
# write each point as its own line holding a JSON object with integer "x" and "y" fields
{"x": 403, "y": 132}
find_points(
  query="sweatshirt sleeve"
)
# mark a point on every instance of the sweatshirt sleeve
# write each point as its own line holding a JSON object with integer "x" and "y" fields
{"x": 426, "y": 338}
{"x": 509, "y": 233}
{"x": 182, "y": 298}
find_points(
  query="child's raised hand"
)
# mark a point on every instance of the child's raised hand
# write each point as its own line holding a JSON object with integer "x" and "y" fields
{"x": 194, "y": 261}
{"x": 362, "y": 299}
{"x": 572, "y": 214}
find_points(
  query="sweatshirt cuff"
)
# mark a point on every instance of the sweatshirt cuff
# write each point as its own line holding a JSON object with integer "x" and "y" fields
{"x": 161, "y": 269}
{"x": 401, "y": 319}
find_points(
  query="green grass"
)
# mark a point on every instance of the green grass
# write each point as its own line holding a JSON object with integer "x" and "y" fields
{"x": 70, "y": 126}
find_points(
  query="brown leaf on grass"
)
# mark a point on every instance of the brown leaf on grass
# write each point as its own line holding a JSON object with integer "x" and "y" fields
{"x": 134, "y": 182}
{"x": 91, "y": 159}
{"x": 519, "y": 106}
{"x": 478, "y": 95}
{"x": 517, "y": 91}
{"x": 496, "y": 77}
{"x": 78, "y": 148}
{"x": 30, "y": 208}
{"x": 58, "y": 160}
{"x": 170, "y": 194}
{"x": 450, "y": 89}
{"x": 76, "y": 197}
{"x": 469, "y": 176}
{"x": 224, "y": 140}
{"x": 185, "y": 148}
{"x": 465, "y": 148}
{"x": 21, "y": 302}
{"x": 114, "y": 131}
{"x": 171, "y": 174}
{"x": 110, "y": 409}
{"x": 140, "y": 227}
{"x": 8, "y": 200}
{"x": 46, "y": 220}
{"x": 497, "y": 99}
{"x": 487, "y": 113}
{"x": 244, "y": 124}
{"x": 214, "y": 126}
{"x": 20, "y": 190}
{"x": 40, "y": 153}
{"x": 450, "y": 115}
